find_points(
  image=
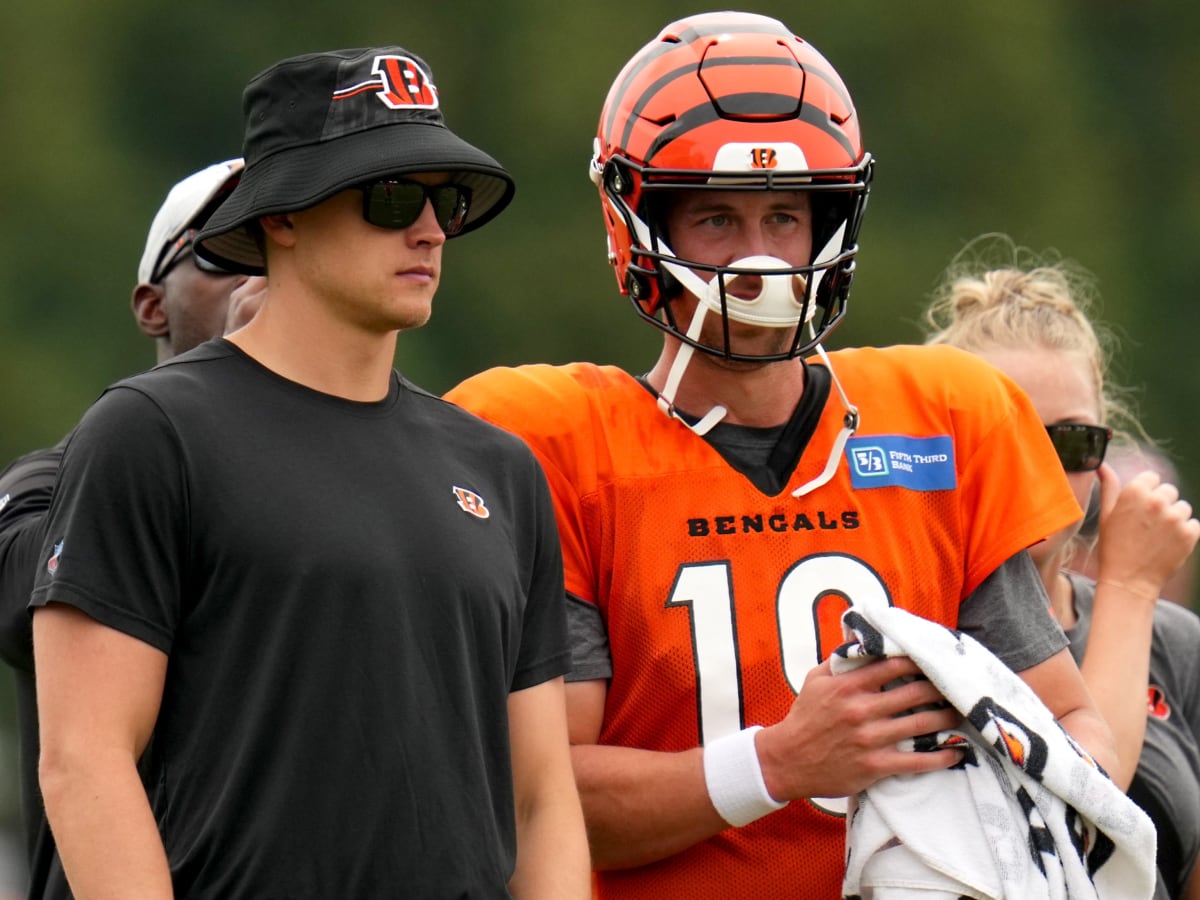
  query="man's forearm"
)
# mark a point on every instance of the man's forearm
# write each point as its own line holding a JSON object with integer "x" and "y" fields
{"x": 105, "y": 832}
{"x": 642, "y": 806}
{"x": 552, "y": 854}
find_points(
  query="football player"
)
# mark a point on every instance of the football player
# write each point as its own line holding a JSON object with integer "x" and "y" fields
{"x": 719, "y": 512}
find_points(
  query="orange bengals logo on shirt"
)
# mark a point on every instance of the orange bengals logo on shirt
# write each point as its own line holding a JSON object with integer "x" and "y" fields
{"x": 471, "y": 502}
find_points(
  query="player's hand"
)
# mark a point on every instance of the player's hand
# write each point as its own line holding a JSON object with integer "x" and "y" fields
{"x": 1146, "y": 533}
{"x": 841, "y": 733}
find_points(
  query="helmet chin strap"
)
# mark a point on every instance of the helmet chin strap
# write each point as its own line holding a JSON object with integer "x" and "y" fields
{"x": 666, "y": 398}
{"x": 849, "y": 426}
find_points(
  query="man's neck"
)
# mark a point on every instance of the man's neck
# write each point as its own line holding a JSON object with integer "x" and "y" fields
{"x": 760, "y": 395}
{"x": 301, "y": 343}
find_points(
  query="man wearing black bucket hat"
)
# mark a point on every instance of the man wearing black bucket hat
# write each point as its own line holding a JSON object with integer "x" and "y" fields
{"x": 313, "y": 613}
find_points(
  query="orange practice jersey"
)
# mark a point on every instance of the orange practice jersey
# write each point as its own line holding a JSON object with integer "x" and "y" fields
{"x": 718, "y": 598}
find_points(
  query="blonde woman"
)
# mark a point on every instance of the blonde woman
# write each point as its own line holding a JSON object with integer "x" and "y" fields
{"x": 1140, "y": 656}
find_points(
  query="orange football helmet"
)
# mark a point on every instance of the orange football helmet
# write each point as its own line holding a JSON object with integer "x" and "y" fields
{"x": 731, "y": 101}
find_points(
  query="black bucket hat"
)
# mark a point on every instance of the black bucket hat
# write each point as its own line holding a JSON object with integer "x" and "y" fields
{"x": 323, "y": 122}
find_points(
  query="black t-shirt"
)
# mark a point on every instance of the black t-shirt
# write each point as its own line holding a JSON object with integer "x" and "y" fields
{"x": 347, "y": 592}
{"x": 26, "y": 486}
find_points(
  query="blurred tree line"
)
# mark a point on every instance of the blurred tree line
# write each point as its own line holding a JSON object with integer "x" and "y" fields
{"x": 1068, "y": 124}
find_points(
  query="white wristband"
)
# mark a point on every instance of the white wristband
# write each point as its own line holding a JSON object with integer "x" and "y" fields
{"x": 734, "y": 778}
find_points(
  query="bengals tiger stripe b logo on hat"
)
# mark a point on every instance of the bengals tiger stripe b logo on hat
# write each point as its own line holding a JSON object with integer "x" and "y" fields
{"x": 399, "y": 83}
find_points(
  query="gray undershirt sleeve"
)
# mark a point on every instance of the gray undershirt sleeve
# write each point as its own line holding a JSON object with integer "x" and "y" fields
{"x": 1009, "y": 613}
{"x": 590, "y": 655}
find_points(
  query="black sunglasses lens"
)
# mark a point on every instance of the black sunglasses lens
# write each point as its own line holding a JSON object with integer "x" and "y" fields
{"x": 398, "y": 204}
{"x": 449, "y": 206}
{"x": 394, "y": 204}
{"x": 1080, "y": 448}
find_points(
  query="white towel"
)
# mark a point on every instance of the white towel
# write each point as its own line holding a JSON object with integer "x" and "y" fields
{"x": 1027, "y": 815}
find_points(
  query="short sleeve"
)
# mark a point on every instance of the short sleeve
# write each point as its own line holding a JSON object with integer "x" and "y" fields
{"x": 1009, "y": 614}
{"x": 544, "y": 653}
{"x": 115, "y": 536}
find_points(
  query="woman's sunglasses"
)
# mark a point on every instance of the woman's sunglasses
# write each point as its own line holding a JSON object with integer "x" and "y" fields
{"x": 398, "y": 202}
{"x": 1080, "y": 447}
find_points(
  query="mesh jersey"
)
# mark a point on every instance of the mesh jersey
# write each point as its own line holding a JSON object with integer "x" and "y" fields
{"x": 719, "y": 598}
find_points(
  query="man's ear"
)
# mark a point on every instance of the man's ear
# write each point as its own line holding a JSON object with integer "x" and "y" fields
{"x": 148, "y": 309}
{"x": 278, "y": 228}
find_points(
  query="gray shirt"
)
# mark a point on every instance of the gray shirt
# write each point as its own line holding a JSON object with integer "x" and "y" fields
{"x": 1167, "y": 781}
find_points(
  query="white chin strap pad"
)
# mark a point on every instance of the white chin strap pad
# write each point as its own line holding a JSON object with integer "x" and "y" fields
{"x": 780, "y": 301}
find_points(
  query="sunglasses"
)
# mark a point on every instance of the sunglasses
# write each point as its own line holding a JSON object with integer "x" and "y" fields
{"x": 398, "y": 202}
{"x": 176, "y": 252}
{"x": 1080, "y": 448}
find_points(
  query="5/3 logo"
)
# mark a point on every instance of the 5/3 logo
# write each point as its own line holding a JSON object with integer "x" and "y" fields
{"x": 869, "y": 461}
{"x": 809, "y": 601}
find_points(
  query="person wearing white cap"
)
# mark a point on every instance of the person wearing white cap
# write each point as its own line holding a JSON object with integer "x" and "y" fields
{"x": 303, "y": 620}
{"x": 197, "y": 308}
{"x": 179, "y": 301}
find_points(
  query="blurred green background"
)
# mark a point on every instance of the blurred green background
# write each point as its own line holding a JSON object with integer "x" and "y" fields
{"x": 1068, "y": 124}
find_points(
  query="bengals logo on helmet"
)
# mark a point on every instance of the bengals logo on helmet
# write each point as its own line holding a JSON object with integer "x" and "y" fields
{"x": 471, "y": 502}
{"x": 399, "y": 83}
{"x": 763, "y": 158}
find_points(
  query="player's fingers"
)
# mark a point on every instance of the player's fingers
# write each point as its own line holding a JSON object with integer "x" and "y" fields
{"x": 881, "y": 674}
{"x": 912, "y": 692}
{"x": 907, "y": 762}
{"x": 916, "y": 724}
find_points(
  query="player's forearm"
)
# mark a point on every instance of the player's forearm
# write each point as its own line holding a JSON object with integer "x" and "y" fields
{"x": 1116, "y": 670}
{"x": 642, "y": 806}
{"x": 105, "y": 832}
